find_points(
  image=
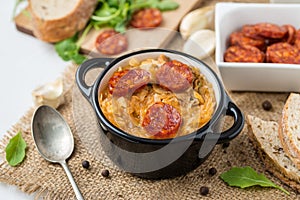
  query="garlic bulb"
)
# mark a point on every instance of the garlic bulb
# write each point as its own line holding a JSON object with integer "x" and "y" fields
{"x": 202, "y": 18}
{"x": 201, "y": 44}
{"x": 50, "y": 94}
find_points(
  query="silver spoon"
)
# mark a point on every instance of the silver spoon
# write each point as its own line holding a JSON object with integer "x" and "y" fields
{"x": 54, "y": 139}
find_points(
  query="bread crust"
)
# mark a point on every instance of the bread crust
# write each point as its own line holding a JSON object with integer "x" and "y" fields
{"x": 285, "y": 135}
{"x": 55, "y": 30}
{"x": 288, "y": 177}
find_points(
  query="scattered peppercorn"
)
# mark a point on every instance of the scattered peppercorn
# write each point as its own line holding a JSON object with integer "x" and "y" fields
{"x": 212, "y": 171}
{"x": 267, "y": 105}
{"x": 204, "y": 190}
{"x": 228, "y": 163}
{"x": 225, "y": 145}
{"x": 85, "y": 164}
{"x": 105, "y": 173}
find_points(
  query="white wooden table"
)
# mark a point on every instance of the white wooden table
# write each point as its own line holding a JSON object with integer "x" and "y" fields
{"x": 25, "y": 64}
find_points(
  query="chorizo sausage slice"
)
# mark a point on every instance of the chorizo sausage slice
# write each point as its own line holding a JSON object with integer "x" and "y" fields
{"x": 126, "y": 82}
{"x": 250, "y": 31}
{"x": 244, "y": 53}
{"x": 291, "y": 33}
{"x": 146, "y": 18}
{"x": 238, "y": 38}
{"x": 175, "y": 76}
{"x": 162, "y": 121}
{"x": 283, "y": 52}
{"x": 269, "y": 30}
{"x": 297, "y": 40}
{"x": 110, "y": 42}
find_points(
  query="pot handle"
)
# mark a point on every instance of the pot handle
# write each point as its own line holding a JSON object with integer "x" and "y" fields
{"x": 84, "y": 68}
{"x": 235, "y": 129}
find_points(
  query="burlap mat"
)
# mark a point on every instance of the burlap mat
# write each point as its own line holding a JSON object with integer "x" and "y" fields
{"x": 48, "y": 181}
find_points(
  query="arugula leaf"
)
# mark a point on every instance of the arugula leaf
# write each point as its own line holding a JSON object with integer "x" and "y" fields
{"x": 68, "y": 49}
{"x": 163, "y": 5}
{"x": 15, "y": 150}
{"x": 117, "y": 14}
{"x": 167, "y": 5}
{"x": 112, "y": 13}
{"x": 246, "y": 177}
{"x": 78, "y": 58}
{"x": 113, "y": 3}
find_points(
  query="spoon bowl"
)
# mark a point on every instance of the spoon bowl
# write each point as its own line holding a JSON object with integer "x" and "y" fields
{"x": 53, "y": 139}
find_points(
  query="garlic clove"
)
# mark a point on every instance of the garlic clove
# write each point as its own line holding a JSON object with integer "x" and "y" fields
{"x": 50, "y": 94}
{"x": 201, "y": 44}
{"x": 202, "y": 18}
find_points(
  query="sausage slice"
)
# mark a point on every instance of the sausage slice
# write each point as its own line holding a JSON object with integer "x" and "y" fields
{"x": 110, "y": 42}
{"x": 238, "y": 38}
{"x": 291, "y": 33}
{"x": 175, "y": 76}
{"x": 283, "y": 53}
{"x": 269, "y": 30}
{"x": 250, "y": 31}
{"x": 146, "y": 18}
{"x": 297, "y": 40}
{"x": 125, "y": 82}
{"x": 244, "y": 53}
{"x": 162, "y": 121}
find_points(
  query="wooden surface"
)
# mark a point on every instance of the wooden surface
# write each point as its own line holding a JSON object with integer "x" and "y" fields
{"x": 137, "y": 39}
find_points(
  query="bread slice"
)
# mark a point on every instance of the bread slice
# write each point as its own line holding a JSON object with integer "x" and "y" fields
{"x": 55, "y": 20}
{"x": 264, "y": 134}
{"x": 289, "y": 133}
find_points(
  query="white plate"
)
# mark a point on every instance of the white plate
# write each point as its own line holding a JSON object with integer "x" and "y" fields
{"x": 252, "y": 76}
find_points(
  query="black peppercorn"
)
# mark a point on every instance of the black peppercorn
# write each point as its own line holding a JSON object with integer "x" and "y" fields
{"x": 105, "y": 173}
{"x": 267, "y": 105}
{"x": 225, "y": 145}
{"x": 204, "y": 190}
{"x": 212, "y": 171}
{"x": 85, "y": 164}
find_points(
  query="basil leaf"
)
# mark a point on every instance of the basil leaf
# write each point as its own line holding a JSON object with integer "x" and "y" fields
{"x": 15, "y": 150}
{"x": 246, "y": 177}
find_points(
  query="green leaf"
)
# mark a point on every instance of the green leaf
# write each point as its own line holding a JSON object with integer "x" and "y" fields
{"x": 117, "y": 13}
{"x": 246, "y": 177}
{"x": 78, "y": 58}
{"x": 15, "y": 150}
{"x": 167, "y": 5}
{"x": 69, "y": 50}
{"x": 18, "y": 2}
{"x": 112, "y": 13}
{"x": 113, "y": 3}
{"x": 26, "y": 13}
{"x": 105, "y": 11}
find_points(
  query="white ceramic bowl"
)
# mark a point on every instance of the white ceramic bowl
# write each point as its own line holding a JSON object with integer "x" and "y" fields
{"x": 284, "y": 1}
{"x": 252, "y": 76}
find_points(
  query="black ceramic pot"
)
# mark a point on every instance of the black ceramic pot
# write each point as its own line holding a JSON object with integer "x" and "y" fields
{"x": 163, "y": 158}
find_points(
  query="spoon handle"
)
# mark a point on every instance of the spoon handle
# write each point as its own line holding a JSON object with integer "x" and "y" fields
{"x": 71, "y": 179}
